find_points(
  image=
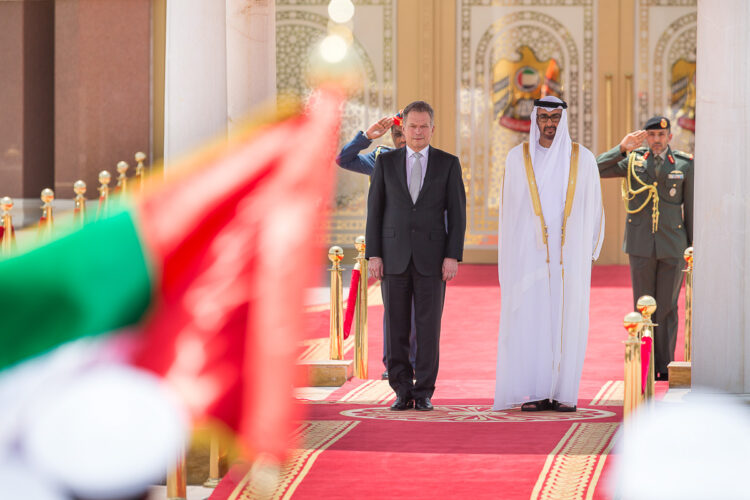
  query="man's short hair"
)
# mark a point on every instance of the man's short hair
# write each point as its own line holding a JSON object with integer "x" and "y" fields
{"x": 422, "y": 107}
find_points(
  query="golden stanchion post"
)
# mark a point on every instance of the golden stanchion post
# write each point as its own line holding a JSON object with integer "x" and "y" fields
{"x": 79, "y": 208}
{"x": 122, "y": 178}
{"x": 45, "y": 227}
{"x": 213, "y": 462}
{"x": 335, "y": 254}
{"x": 140, "y": 170}
{"x": 6, "y": 203}
{"x": 633, "y": 322}
{"x": 647, "y": 306}
{"x": 103, "y": 209}
{"x": 688, "y": 255}
{"x": 360, "y": 334}
{"x": 177, "y": 479}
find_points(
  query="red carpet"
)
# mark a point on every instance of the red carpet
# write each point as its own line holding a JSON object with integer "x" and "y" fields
{"x": 354, "y": 447}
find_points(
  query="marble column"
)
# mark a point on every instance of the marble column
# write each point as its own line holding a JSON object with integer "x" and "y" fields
{"x": 220, "y": 65}
{"x": 721, "y": 319}
{"x": 251, "y": 56}
{"x": 195, "y": 109}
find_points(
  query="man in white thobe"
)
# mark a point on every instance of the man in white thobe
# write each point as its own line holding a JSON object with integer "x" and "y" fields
{"x": 550, "y": 230}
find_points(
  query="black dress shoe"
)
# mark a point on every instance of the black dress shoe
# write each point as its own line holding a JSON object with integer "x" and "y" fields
{"x": 402, "y": 403}
{"x": 384, "y": 376}
{"x": 423, "y": 404}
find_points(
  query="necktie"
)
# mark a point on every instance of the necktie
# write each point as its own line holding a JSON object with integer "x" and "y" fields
{"x": 657, "y": 164}
{"x": 416, "y": 177}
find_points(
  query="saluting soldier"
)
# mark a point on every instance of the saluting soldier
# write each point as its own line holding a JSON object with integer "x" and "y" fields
{"x": 658, "y": 193}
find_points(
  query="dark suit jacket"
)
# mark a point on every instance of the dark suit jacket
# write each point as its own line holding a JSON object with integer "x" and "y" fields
{"x": 398, "y": 229}
{"x": 675, "y": 188}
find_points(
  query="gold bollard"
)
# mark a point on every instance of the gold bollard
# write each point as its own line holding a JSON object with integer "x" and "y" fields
{"x": 360, "y": 335}
{"x": 688, "y": 255}
{"x": 335, "y": 254}
{"x": 45, "y": 223}
{"x": 6, "y": 244}
{"x": 103, "y": 209}
{"x": 213, "y": 462}
{"x": 79, "y": 209}
{"x": 122, "y": 178}
{"x": 633, "y": 322}
{"x": 647, "y": 306}
{"x": 140, "y": 170}
{"x": 177, "y": 479}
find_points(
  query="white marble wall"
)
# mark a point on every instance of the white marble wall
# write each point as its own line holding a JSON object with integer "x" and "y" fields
{"x": 721, "y": 338}
{"x": 220, "y": 64}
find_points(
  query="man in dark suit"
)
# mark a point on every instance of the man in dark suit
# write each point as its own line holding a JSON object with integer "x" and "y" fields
{"x": 659, "y": 227}
{"x": 349, "y": 158}
{"x": 414, "y": 191}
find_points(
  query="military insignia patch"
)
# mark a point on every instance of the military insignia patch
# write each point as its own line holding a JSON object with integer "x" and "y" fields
{"x": 676, "y": 174}
{"x": 673, "y": 192}
{"x": 640, "y": 168}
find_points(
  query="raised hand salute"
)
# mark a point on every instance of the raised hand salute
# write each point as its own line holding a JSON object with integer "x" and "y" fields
{"x": 379, "y": 128}
{"x": 632, "y": 141}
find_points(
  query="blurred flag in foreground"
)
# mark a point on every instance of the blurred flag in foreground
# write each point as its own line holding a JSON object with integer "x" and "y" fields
{"x": 207, "y": 270}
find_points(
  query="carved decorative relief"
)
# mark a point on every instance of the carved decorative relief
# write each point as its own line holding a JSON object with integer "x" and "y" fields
{"x": 666, "y": 44}
{"x": 300, "y": 25}
{"x": 509, "y": 52}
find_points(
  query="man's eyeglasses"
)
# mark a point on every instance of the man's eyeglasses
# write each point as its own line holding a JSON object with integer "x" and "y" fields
{"x": 552, "y": 118}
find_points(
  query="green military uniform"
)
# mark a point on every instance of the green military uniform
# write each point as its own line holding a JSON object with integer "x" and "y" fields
{"x": 655, "y": 248}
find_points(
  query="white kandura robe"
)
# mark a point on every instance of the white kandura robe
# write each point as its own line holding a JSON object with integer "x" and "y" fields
{"x": 544, "y": 316}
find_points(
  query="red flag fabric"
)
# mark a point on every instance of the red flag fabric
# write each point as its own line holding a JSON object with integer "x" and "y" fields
{"x": 223, "y": 329}
{"x": 351, "y": 302}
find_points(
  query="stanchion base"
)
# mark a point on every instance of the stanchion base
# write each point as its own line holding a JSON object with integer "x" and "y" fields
{"x": 679, "y": 374}
{"x": 327, "y": 373}
{"x": 211, "y": 483}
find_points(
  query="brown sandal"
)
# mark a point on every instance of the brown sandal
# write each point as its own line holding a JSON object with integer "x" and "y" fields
{"x": 541, "y": 405}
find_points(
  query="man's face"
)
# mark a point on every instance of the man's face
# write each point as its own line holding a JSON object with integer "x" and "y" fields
{"x": 418, "y": 130}
{"x": 547, "y": 122}
{"x": 397, "y": 134}
{"x": 658, "y": 139}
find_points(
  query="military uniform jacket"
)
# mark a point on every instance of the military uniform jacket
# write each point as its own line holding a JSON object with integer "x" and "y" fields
{"x": 675, "y": 187}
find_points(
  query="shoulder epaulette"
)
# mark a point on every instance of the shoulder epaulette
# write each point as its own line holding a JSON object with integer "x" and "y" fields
{"x": 682, "y": 154}
{"x": 640, "y": 151}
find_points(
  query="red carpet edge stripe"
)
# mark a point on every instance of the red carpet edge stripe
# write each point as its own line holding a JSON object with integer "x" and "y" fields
{"x": 573, "y": 468}
{"x": 316, "y": 438}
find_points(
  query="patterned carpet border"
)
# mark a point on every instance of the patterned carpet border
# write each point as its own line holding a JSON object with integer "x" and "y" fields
{"x": 573, "y": 469}
{"x": 316, "y": 437}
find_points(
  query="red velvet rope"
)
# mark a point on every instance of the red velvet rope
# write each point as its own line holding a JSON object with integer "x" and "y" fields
{"x": 645, "y": 360}
{"x": 351, "y": 303}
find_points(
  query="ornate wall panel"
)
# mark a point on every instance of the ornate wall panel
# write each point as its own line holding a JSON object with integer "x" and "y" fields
{"x": 666, "y": 48}
{"x": 509, "y": 51}
{"x": 300, "y": 24}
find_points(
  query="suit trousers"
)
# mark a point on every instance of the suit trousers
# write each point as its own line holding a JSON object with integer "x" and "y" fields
{"x": 412, "y": 337}
{"x": 661, "y": 279}
{"x": 428, "y": 295}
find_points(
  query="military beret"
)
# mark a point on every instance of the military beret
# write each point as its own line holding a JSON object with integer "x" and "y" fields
{"x": 657, "y": 123}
